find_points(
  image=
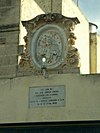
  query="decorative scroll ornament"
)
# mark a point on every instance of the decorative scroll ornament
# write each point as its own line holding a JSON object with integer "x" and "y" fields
{"x": 50, "y": 43}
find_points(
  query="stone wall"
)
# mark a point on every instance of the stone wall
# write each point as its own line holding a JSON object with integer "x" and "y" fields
{"x": 98, "y": 54}
{"x": 82, "y": 95}
{"x": 9, "y": 37}
{"x": 82, "y": 99}
{"x": 9, "y": 28}
{"x": 69, "y": 9}
{"x": 93, "y": 53}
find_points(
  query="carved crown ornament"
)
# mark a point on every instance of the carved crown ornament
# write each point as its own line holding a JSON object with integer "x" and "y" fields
{"x": 49, "y": 44}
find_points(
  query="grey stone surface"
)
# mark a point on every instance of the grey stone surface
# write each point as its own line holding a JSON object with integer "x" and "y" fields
{"x": 4, "y": 3}
{"x": 47, "y": 96}
{"x": 9, "y": 37}
{"x": 8, "y": 50}
{"x": 57, "y": 6}
{"x": 8, "y": 60}
{"x": 45, "y": 5}
{"x": 8, "y": 71}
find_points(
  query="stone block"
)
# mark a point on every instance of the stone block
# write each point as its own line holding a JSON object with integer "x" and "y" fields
{"x": 45, "y": 5}
{"x": 8, "y": 60}
{"x": 2, "y": 40}
{"x": 8, "y": 71}
{"x": 9, "y": 38}
{"x": 8, "y": 50}
{"x": 9, "y": 15}
{"x": 4, "y": 3}
{"x": 7, "y": 101}
{"x": 9, "y": 3}
{"x": 56, "y": 6}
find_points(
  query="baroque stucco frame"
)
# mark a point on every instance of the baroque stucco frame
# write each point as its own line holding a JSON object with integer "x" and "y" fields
{"x": 72, "y": 57}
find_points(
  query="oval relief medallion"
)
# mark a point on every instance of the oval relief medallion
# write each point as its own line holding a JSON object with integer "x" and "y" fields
{"x": 48, "y": 46}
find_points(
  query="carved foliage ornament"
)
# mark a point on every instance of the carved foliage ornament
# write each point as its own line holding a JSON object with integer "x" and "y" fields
{"x": 50, "y": 43}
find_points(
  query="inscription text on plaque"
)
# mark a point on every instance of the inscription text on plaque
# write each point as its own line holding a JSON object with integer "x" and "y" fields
{"x": 47, "y": 96}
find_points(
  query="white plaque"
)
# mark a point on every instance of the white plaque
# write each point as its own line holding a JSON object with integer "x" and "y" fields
{"x": 47, "y": 96}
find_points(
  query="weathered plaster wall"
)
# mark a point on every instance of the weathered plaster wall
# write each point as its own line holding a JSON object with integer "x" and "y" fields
{"x": 82, "y": 99}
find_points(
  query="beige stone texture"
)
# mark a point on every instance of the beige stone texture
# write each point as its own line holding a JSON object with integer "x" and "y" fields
{"x": 8, "y": 71}
{"x": 7, "y": 102}
{"x": 82, "y": 99}
{"x": 45, "y": 5}
{"x": 56, "y": 6}
{"x": 9, "y": 11}
{"x": 70, "y": 9}
{"x": 8, "y": 60}
{"x": 98, "y": 54}
{"x": 9, "y": 50}
{"x": 32, "y": 8}
{"x": 93, "y": 53}
{"x": 9, "y": 37}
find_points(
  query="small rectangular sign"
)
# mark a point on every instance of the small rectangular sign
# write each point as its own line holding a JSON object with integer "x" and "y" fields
{"x": 47, "y": 96}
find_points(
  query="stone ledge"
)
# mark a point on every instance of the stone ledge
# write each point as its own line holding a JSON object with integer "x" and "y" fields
{"x": 22, "y": 73}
